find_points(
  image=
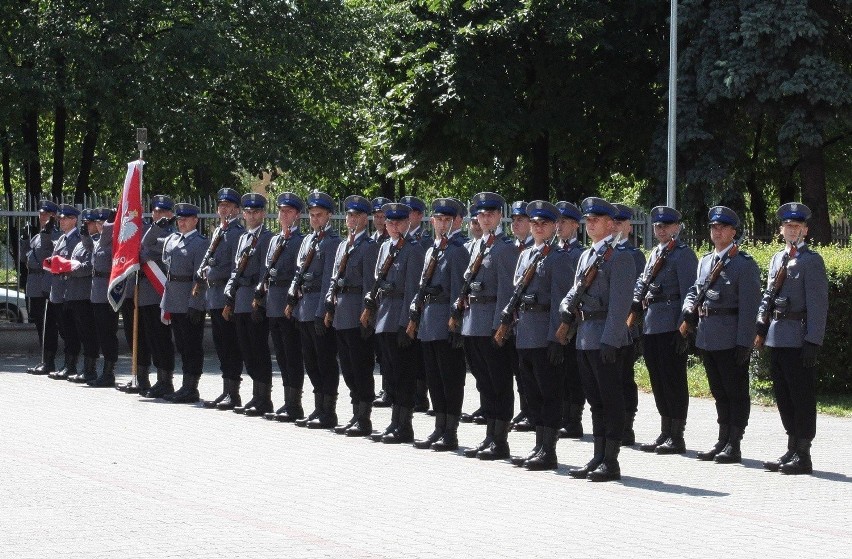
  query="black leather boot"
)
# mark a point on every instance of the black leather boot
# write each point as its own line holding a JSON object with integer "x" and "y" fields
{"x": 341, "y": 429}
{"x": 232, "y": 399}
{"x": 107, "y": 376}
{"x": 775, "y": 465}
{"x": 665, "y": 433}
{"x": 46, "y": 367}
{"x": 377, "y": 437}
{"x": 89, "y": 373}
{"x": 731, "y": 453}
{"x": 546, "y": 458}
{"x": 609, "y": 470}
{"x": 303, "y": 421}
{"x": 263, "y": 402}
{"x": 292, "y": 410}
{"x": 382, "y": 400}
{"x": 718, "y": 447}
{"x": 133, "y": 385}
{"x": 523, "y": 423}
{"x": 499, "y": 447}
{"x": 486, "y": 442}
{"x": 801, "y": 463}
{"x": 163, "y": 385}
{"x": 519, "y": 460}
{"x": 189, "y": 390}
{"x": 363, "y": 425}
{"x": 69, "y": 369}
{"x": 468, "y": 417}
{"x": 434, "y": 436}
{"x": 328, "y": 418}
{"x": 628, "y": 438}
{"x": 450, "y": 438}
{"x": 572, "y": 423}
{"x": 675, "y": 443}
{"x": 597, "y": 460}
{"x": 252, "y": 401}
{"x": 404, "y": 432}
{"x": 226, "y": 385}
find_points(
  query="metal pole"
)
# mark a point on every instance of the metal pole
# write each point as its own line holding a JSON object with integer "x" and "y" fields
{"x": 671, "y": 149}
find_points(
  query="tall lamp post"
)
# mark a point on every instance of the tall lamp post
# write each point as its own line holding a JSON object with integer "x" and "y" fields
{"x": 671, "y": 149}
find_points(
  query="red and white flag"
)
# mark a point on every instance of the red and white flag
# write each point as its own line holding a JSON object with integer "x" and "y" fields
{"x": 126, "y": 234}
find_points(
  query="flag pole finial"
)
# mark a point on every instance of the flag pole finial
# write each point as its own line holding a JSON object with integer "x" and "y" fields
{"x": 141, "y": 140}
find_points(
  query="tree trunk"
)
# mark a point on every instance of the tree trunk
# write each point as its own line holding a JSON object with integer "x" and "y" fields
{"x": 59, "y": 127}
{"x": 814, "y": 196}
{"x": 786, "y": 185}
{"x": 31, "y": 162}
{"x": 90, "y": 140}
{"x": 758, "y": 200}
{"x": 539, "y": 186}
{"x": 386, "y": 187}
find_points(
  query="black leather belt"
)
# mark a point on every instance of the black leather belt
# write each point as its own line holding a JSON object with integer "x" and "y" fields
{"x": 432, "y": 299}
{"x": 779, "y": 315}
{"x": 716, "y": 311}
{"x": 351, "y": 289}
{"x": 481, "y": 299}
{"x": 392, "y": 294}
{"x": 98, "y": 274}
{"x": 180, "y": 279}
{"x": 591, "y": 315}
{"x": 534, "y": 307}
{"x": 217, "y": 283}
{"x": 281, "y": 282}
{"x": 663, "y": 299}
{"x": 311, "y": 289}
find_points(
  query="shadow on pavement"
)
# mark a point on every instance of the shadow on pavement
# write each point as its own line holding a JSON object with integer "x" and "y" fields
{"x": 832, "y": 476}
{"x": 662, "y": 487}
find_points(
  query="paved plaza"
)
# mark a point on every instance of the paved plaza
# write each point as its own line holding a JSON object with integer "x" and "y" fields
{"x": 93, "y": 473}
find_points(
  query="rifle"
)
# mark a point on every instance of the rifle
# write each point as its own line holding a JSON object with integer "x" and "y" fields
{"x": 416, "y": 309}
{"x": 331, "y": 300}
{"x": 647, "y": 279}
{"x": 508, "y": 315}
{"x": 293, "y": 294}
{"x": 243, "y": 263}
{"x": 469, "y": 276}
{"x": 370, "y": 302}
{"x": 764, "y": 315}
{"x": 568, "y": 312}
{"x": 687, "y": 327}
{"x": 262, "y": 286}
{"x": 211, "y": 250}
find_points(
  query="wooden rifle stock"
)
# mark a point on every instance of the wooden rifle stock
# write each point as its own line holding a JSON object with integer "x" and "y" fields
{"x": 263, "y": 285}
{"x": 293, "y": 293}
{"x": 370, "y": 303}
{"x": 331, "y": 301}
{"x": 211, "y": 251}
{"x": 469, "y": 277}
{"x": 764, "y": 317}
{"x": 685, "y": 327}
{"x": 649, "y": 279}
{"x": 425, "y": 281}
{"x": 228, "y": 311}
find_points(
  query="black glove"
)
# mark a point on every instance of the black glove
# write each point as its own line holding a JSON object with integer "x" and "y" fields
{"x": 370, "y": 303}
{"x": 196, "y": 316}
{"x": 319, "y": 326}
{"x": 682, "y": 345}
{"x": 636, "y": 307}
{"x": 555, "y": 353}
{"x": 456, "y": 340}
{"x": 743, "y": 355}
{"x": 609, "y": 354}
{"x": 691, "y": 318}
{"x": 402, "y": 339}
{"x": 49, "y": 226}
{"x": 810, "y": 352}
{"x": 165, "y": 222}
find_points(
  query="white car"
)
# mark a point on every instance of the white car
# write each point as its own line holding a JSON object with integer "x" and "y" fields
{"x": 13, "y": 306}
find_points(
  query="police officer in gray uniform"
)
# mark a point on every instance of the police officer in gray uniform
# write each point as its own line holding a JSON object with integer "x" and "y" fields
{"x": 37, "y": 290}
{"x": 491, "y": 290}
{"x": 105, "y": 318}
{"x": 344, "y": 303}
{"x": 725, "y": 330}
{"x": 540, "y": 356}
{"x": 665, "y": 350}
{"x": 183, "y": 255}
{"x": 78, "y": 297}
{"x": 601, "y": 336}
{"x": 285, "y": 336}
{"x": 792, "y": 323}
{"x": 443, "y": 358}
{"x": 380, "y": 235}
{"x": 522, "y": 240}
{"x": 252, "y": 328}
{"x": 215, "y": 272}
{"x": 632, "y": 353}
{"x": 319, "y": 345}
{"x": 157, "y": 333}
{"x": 62, "y": 250}
{"x": 573, "y": 399}
{"x": 396, "y": 289}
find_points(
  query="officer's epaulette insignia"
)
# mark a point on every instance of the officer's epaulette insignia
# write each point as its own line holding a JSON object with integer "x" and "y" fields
{"x": 745, "y": 255}
{"x": 680, "y": 244}
{"x": 508, "y": 241}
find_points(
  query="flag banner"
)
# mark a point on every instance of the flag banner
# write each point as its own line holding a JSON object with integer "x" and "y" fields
{"x": 126, "y": 234}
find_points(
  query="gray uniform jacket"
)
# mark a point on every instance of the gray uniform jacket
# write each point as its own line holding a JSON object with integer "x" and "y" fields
{"x": 153, "y": 239}
{"x": 573, "y": 252}
{"x": 101, "y": 264}
{"x": 243, "y": 287}
{"x": 63, "y": 247}
{"x": 492, "y": 288}
{"x": 357, "y": 280}
{"x": 317, "y": 277}
{"x": 612, "y": 292}
{"x": 221, "y": 264}
{"x": 79, "y": 282}
{"x": 668, "y": 290}
{"x": 443, "y": 290}
{"x": 182, "y": 257}
{"x": 281, "y": 275}
{"x": 421, "y": 236}
{"x": 804, "y": 291}
{"x": 538, "y": 315}
{"x": 40, "y": 247}
{"x": 400, "y": 285}
{"x": 737, "y": 288}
